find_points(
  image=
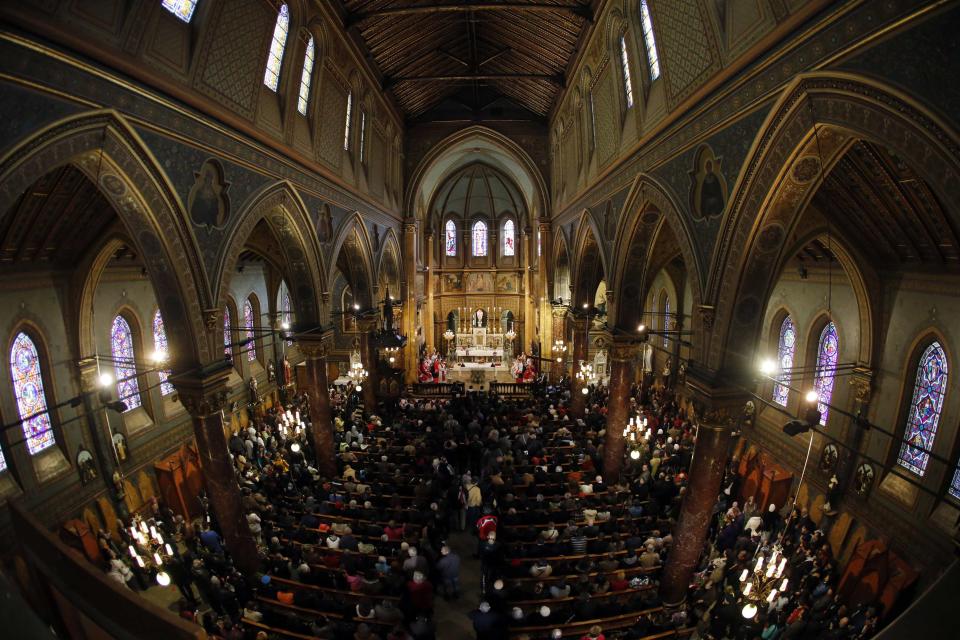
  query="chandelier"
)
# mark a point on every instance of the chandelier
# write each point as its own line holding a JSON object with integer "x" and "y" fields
{"x": 148, "y": 548}
{"x": 510, "y": 335}
{"x": 763, "y": 583}
{"x": 636, "y": 432}
{"x": 586, "y": 376}
{"x": 357, "y": 373}
{"x": 559, "y": 348}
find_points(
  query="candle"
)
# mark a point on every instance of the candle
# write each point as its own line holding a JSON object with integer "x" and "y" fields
{"x": 743, "y": 576}
{"x": 133, "y": 552}
{"x": 783, "y": 585}
{"x": 759, "y": 565}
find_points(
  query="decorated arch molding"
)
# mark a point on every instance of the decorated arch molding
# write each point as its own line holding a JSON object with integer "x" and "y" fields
{"x": 390, "y": 250}
{"x": 352, "y": 238}
{"x": 103, "y": 146}
{"x": 767, "y": 201}
{"x": 586, "y": 239}
{"x": 561, "y": 253}
{"x": 652, "y": 210}
{"x": 281, "y": 208}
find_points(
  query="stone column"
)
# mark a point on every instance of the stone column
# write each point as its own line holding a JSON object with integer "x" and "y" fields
{"x": 429, "y": 331}
{"x": 409, "y": 297}
{"x": 578, "y": 401}
{"x": 706, "y": 475}
{"x": 100, "y": 438}
{"x": 559, "y": 322}
{"x": 203, "y": 396}
{"x": 862, "y": 382}
{"x": 529, "y": 317}
{"x": 368, "y": 354}
{"x": 315, "y": 347}
{"x": 620, "y": 356}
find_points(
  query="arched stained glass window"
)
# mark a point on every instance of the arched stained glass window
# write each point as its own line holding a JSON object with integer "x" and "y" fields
{"x": 625, "y": 69}
{"x": 121, "y": 346}
{"x": 183, "y": 9}
{"x": 509, "y": 239}
{"x": 3, "y": 462}
{"x": 227, "y": 334}
{"x": 785, "y": 348}
{"x": 450, "y": 238}
{"x": 955, "y": 483}
{"x": 31, "y": 400}
{"x": 479, "y": 238}
{"x": 306, "y": 78}
{"x": 827, "y": 353}
{"x": 271, "y": 76}
{"x": 286, "y": 309}
{"x": 160, "y": 344}
{"x": 249, "y": 326}
{"x": 924, "y": 413}
{"x": 539, "y": 244}
{"x": 347, "y": 123}
{"x": 649, "y": 41}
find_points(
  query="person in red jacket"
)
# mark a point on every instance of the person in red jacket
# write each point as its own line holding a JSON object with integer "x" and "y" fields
{"x": 420, "y": 594}
{"x": 595, "y": 633}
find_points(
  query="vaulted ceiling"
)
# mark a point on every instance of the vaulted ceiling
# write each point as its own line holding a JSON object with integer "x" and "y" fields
{"x": 55, "y": 221}
{"x": 884, "y": 207}
{"x": 475, "y": 52}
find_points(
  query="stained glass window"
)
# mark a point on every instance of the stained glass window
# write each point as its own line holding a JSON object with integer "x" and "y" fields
{"x": 271, "y": 77}
{"x": 625, "y": 69}
{"x": 346, "y": 123}
{"x": 303, "y": 99}
{"x": 955, "y": 484}
{"x": 649, "y": 41}
{"x": 249, "y": 326}
{"x": 450, "y": 240}
{"x": 227, "y": 334}
{"x": 363, "y": 135}
{"x": 31, "y": 401}
{"x": 539, "y": 244}
{"x": 3, "y": 462}
{"x": 286, "y": 309}
{"x": 479, "y": 238}
{"x": 183, "y": 9}
{"x": 666, "y": 322}
{"x": 508, "y": 238}
{"x": 788, "y": 342}
{"x": 121, "y": 346}
{"x": 924, "y": 412}
{"x": 827, "y": 354}
{"x": 160, "y": 344}
{"x": 593, "y": 123}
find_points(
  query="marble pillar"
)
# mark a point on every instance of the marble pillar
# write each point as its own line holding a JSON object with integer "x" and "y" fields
{"x": 315, "y": 347}
{"x": 620, "y": 356}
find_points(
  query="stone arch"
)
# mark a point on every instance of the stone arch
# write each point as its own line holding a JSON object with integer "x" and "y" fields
{"x": 589, "y": 261}
{"x": 389, "y": 261}
{"x": 454, "y": 151}
{"x": 353, "y": 241}
{"x": 561, "y": 267}
{"x": 769, "y": 196}
{"x": 103, "y": 146}
{"x": 653, "y": 213}
{"x": 281, "y": 208}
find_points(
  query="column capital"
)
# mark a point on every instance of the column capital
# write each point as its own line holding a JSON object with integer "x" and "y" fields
{"x": 315, "y": 344}
{"x": 367, "y": 323}
{"x": 205, "y": 392}
{"x": 581, "y": 322}
{"x": 410, "y": 226}
{"x": 862, "y": 381}
{"x": 212, "y": 319}
{"x": 622, "y": 348}
{"x": 88, "y": 374}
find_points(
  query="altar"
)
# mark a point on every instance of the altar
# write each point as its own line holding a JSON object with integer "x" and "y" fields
{"x": 478, "y": 347}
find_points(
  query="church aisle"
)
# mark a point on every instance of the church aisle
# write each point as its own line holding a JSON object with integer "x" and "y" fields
{"x": 451, "y": 616}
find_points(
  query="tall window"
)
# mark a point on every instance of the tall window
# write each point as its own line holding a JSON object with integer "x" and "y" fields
{"x": 954, "y": 485}
{"x": 450, "y": 238}
{"x": 271, "y": 77}
{"x": 363, "y": 135}
{"x": 31, "y": 400}
{"x": 249, "y": 326}
{"x": 666, "y": 322}
{"x": 827, "y": 353}
{"x": 306, "y": 77}
{"x": 625, "y": 69}
{"x": 924, "y": 412}
{"x": 649, "y": 42}
{"x": 479, "y": 238}
{"x": 785, "y": 348}
{"x": 346, "y": 123}
{"x": 227, "y": 334}
{"x": 593, "y": 123}
{"x": 160, "y": 345}
{"x": 286, "y": 309}
{"x": 3, "y": 462}
{"x": 508, "y": 238}
{"x": 539, "y": 243}
{"x": 183, "y": 9}
{"x": 121, "y": 346}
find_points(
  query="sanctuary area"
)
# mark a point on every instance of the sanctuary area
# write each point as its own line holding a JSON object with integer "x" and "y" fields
{"x": 492, "y": 319}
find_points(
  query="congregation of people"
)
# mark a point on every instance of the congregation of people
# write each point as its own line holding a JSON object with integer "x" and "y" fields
{"x": 562, "y": 552}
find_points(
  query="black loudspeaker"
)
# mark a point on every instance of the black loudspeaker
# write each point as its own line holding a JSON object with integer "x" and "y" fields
{"x": 812, "y": 416}
{"x": 795, "y": 427}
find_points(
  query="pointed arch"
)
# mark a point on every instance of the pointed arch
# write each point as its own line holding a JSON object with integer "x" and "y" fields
{"x": 353, "y": 242}
{"x": 768, "y": 199}
{"x": 143, "y": 199}
{"x": 589, "y": 260}
{"x": 388, "y": 264}
{"x": 281, "y": 208}
{"x": 29, "y": 368}
{"x": 561, "y": 267}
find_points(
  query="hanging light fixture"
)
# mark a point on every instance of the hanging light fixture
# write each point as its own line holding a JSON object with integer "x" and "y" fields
{"x": 761, "y": 586}
{"x": 586, "y": 376}
{"x": 559, "y": 348}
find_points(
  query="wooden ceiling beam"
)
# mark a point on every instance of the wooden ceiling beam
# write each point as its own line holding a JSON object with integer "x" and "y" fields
{"x": 552, "y": 78}
{"x": 575, "y": 8}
